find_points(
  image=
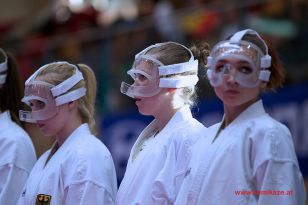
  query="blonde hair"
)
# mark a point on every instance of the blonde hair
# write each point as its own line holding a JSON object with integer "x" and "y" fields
{"x": 173, "y": 53}
{"x": 55, "y": 73}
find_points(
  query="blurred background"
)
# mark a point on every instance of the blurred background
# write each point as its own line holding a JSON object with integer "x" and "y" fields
{"x": 106, "y": 34}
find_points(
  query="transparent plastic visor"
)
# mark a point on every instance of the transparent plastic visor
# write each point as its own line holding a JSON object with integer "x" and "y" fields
{"x": 40, "y": 101}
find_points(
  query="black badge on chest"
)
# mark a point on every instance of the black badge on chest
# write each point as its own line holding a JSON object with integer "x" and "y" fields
{"x": 43, "y": 199}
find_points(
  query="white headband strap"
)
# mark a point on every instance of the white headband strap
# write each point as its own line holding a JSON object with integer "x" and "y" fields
{"x": 67, "y": 84}
{"x": 2, "y": 79}
{"x": 161, "y": 44}
{"x": 64, "y": 86}
{"x": 179, "y": 82}
{"x": 71, "y": 96}
{"x": 178, "y": 68}
{"x": 3, "y": 67}
{"x": 237, "y": 37}
{"x": 34, "y": 75}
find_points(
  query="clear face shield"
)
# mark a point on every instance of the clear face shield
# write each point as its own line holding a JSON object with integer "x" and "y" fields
{"x": 145, "y": 74}
{"x": 40, "y": 101}
{"x": 3, "y": 66}
{"x": 150, "y": 74}
{"x": 44, "y": 99}
{"x": 248, "y": 72}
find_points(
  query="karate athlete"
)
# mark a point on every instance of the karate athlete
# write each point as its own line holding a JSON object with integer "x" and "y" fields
{"x": 165, "y": 75}
{"x": 78, "y": 169}
{"x": 248, "y": 157}
{"x": 17, "y": 154}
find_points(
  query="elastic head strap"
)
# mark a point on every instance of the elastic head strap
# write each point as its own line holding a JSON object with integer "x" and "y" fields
{"x": 64, "y": 86}
{"x": 2, "y": 79}
{"x": 237, "y": 37}
{"x": 178, "y": 68}
{"x": 67, "y": 84}
{"x": 143, "y": 52}
{"x": 3, "y": 67}
{"x": 35, "y": 74}
{"x": 179, "y": 81}
{"x": 71, "y": 96}
{"x": 191, "y": 65}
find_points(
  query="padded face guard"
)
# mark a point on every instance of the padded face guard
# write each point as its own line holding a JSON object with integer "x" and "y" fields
{"x": 160, "y": 75}
{"x": 145, "y": 74}
{"x": 52, "y": 96}
{"x": 236, "y": 48}
{"x": 45, "y": 106}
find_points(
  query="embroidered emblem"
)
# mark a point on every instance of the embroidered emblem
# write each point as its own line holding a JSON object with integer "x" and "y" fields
{"x": 42, "y": 199}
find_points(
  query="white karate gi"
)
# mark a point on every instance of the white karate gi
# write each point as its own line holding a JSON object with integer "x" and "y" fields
{"x": 81, "y": 172}
{"x": 17, "y": 157}
{"x": 253, "y": 153}
{"x": 155, "y": 174}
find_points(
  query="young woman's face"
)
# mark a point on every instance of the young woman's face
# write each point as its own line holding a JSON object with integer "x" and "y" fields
{"x": 53, "y": 125}
{"x": 148, "y": 105}
{"x": 231, "y": 92}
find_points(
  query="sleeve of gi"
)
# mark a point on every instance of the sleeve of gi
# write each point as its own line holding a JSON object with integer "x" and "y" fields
{"x": 12, "y": 180}
{"x": 86, "y": 193}
{"x": 277, "y": 174}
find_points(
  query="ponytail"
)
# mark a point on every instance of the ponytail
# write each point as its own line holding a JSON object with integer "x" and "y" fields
{"x": 86, "y": 104}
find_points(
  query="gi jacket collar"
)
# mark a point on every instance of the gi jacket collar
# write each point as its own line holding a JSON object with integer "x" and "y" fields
{"x": 180, "y": 117}
{"x": 254, "y": 110}
{"x": 82, "y": 131}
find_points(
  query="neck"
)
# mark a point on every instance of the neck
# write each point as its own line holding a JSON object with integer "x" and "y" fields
{"x": 68, "y": 130}
{"x": 232, "y": 112}
{"x": 164, "y": 116}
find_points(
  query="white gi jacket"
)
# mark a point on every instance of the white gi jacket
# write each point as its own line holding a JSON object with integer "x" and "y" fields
{"x": 17, "y": 157}
{"x": 155, "y": 175}
{"x": 81, "y": 172}
{"x": 254, "y": 154}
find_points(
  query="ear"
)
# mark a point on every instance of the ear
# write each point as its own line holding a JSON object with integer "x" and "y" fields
{"x": 171, "y": 90}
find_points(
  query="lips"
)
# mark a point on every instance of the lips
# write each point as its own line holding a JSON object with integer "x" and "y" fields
{"x": 233, "y": 92}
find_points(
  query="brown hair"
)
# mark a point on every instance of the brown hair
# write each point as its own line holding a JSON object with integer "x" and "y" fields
{"x": 173, "y": 53}
{"x": 277, "y": 69}
{"x": 59, "y": 72}
{"x": 11, "y": 92}
{"x": 201, "y": 51}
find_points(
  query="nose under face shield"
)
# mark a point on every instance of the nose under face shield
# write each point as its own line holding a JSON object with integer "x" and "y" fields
{"x": 145, "y": 72}
{"x": 247, "y": 76}
{"x": 3, "y": 67}
{"x": 48, "y": 96}
{"x": 46, "y": 106}
{"x": 154, "y": 74}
